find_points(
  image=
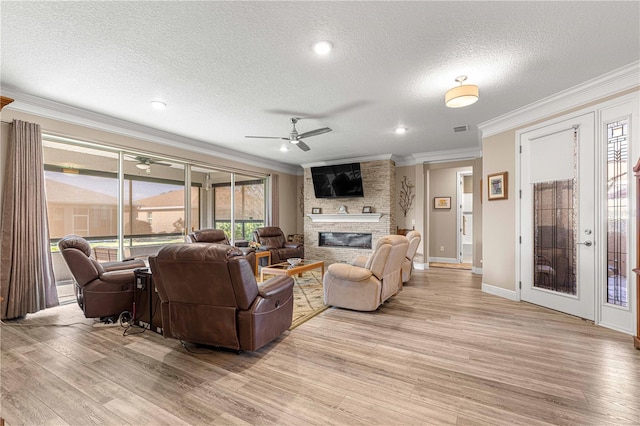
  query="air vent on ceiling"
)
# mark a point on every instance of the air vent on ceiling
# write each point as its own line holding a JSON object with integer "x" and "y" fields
{"x": 461, "y": 128}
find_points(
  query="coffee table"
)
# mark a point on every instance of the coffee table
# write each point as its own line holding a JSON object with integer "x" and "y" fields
{"x": 285, "y": 269}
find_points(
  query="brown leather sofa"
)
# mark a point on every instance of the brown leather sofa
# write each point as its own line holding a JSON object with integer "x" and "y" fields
{"x": 272, "y": 238}
{"x": 364, "y": 288}
{"x": 102, "y": 289}
{"x": 209, "y": 296}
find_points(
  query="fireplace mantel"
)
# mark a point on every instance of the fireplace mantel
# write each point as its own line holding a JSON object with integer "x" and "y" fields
{"x": 346, "y": 217}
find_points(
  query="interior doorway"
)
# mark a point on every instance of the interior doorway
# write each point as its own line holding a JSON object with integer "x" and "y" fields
{"x": 465, "y": 217}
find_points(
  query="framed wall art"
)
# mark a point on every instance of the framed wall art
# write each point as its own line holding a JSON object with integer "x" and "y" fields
{"x": 497, "y": 186}
{"x": 441, "y": 202}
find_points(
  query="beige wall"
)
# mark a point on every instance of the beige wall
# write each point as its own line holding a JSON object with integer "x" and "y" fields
{"x": 443, "y": 224}
{"x": 288, "y": 207}
{"x": 408, "y": 221}
{"x": 289, "y": 210}
{"x": 499, "y": 219}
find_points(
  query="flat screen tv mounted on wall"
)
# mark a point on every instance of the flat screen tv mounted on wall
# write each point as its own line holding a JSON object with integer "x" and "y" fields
{"x": 340, "y": 180}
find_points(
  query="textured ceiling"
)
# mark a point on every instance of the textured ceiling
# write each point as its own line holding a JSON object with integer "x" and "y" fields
{"x": 230, "y": 69}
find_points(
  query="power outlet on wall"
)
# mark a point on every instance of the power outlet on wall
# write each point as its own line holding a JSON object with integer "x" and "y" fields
{"x": 441, "y": 248}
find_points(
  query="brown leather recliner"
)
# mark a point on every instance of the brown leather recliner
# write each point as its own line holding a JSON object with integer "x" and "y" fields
{"x": 209, "y": 296}
{"x": 213, "y": 236}
{"x": 102, "y": 289}
{"x": 217, "y": 236}
{"x": 272, "y": 238}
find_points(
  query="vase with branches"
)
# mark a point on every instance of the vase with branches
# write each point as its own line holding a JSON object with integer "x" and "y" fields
{"x": 406, "y": 195}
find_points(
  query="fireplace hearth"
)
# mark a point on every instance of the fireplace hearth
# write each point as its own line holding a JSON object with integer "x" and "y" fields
{"x": 344, "y": 239}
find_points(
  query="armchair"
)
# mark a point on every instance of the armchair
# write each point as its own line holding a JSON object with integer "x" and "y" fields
{"x": 101, "y": 289}
{"x": 217, "y": 236}
{"x": 364, "y": 288}
{"x": 209, "y": 296}
{"x": 272, "y": 238}
{"x": 214, "y": 236}
{"x": 414, "y": 238}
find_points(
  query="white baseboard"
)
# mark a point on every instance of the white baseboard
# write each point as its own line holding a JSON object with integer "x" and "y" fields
{"x": 499, "y": 291}
{"x": 420, "y": 266}
{"x": 615, "y": 327}
{"x": 443, "y": 259}
{"x": 477, "y": 271}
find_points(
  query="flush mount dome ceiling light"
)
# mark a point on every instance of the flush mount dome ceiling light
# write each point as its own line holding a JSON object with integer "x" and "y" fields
{"x": 462, "y": 95}
{"x": 401, "y": 130}
{"x": 158, "y": 104}
{"x": 323, "y": 47}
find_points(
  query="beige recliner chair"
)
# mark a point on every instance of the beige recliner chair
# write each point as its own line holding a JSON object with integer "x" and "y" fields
{"x": 414, "y": 238}
{"x": 364, "y": 288}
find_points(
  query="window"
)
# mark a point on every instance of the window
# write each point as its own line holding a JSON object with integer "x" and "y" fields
{"x": 617, "y": 211}
{"x": 249, "y": 206}
{"x": 83, "y": 191}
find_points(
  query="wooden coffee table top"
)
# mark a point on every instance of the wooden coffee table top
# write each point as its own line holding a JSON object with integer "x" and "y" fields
{"x": 285, "y": 268}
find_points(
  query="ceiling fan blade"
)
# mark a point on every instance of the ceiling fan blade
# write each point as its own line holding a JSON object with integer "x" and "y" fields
{"x": 267, "y": 137}
{"x": 303, "y": 146}
{"x": 314, "y": 132}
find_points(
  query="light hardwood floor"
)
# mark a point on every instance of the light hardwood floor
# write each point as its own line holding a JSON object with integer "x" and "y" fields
{"x": 440, "y": 352}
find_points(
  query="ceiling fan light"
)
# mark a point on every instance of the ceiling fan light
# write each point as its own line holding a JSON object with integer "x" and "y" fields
{"x": 294, "y": 141}
{"x": 143, "y": 166}
{"x": 401, "y": 130}
{"x": 461, "y": 96}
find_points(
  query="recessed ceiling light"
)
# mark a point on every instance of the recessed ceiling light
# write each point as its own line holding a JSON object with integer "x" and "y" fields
{"x": 158, "y": 104}
{"x": 284, "y": 147}
{"x": 401, "y": 130}
{"x": 322, "y": 47}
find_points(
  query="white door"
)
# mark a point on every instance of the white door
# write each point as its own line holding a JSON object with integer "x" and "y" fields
{"x": 558, "y": 248}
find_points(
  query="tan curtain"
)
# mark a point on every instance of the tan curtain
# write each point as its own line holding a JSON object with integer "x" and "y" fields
{"x": 26, "y": 280}
{"x": 275, "y": 201}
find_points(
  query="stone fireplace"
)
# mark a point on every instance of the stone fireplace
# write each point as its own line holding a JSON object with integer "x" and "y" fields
{"x": 378, "y": 180}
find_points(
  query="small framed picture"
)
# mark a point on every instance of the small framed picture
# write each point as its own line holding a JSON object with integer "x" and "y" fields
{"x": 441, "y": 202}
{"x": 316, "y": 210}
{"x": 367, "y": 209}
{"x": 497, "y": 185}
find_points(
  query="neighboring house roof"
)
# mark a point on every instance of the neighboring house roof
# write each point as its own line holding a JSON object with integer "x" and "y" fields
{"x": 63, "y": 193}
{"x": 170, "y": 199}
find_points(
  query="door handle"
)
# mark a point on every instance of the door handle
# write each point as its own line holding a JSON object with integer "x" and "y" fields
{"x": 587, "y": 243}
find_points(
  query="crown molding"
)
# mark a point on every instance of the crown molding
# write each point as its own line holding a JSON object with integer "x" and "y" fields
{"x": 616, "y": 81}
{"x": 380, "y": 157}
{"x": 447, "y": 155}
{"x": 68, "y": 114}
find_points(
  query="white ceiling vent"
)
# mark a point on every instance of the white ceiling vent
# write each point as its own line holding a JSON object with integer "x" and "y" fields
{"x": 461, "y": 128}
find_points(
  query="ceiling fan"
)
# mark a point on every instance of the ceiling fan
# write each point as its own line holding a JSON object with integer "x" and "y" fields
{"x": 296, "y": 138}
{"x": 144, "y": 163}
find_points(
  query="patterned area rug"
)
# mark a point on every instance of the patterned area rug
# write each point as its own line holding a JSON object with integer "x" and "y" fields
{"x": 308, "y": 297}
